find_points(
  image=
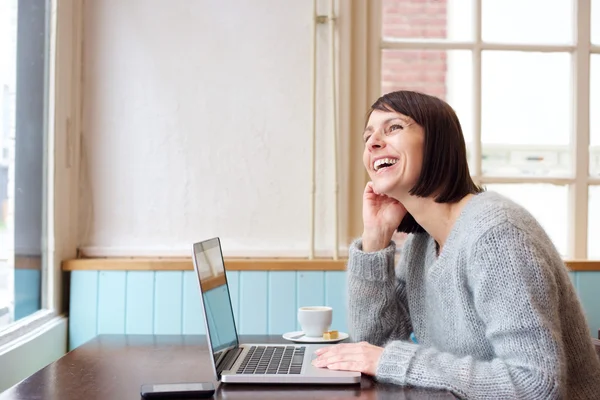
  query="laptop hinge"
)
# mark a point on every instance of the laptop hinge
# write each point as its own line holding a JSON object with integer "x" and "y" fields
{"x": 227, "y": 361}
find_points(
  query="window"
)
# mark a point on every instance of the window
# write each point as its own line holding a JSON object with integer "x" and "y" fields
{"x": 594, "y": 229}
{"x": 514, "y": 91}
{"x": 23, "y": 103}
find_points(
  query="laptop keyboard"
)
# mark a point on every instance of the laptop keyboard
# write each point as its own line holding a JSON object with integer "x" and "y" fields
{"x": 273, "y": 360}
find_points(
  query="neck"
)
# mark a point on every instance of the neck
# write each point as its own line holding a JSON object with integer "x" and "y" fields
{"x": 436, "y": 218}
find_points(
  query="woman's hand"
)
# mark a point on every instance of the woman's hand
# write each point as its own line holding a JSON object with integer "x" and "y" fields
{"x": 361, "y": 357}
{"x": 381, "y": 217}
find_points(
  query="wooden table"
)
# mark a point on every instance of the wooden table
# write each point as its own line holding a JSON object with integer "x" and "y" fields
{"x": 115, "y": 366}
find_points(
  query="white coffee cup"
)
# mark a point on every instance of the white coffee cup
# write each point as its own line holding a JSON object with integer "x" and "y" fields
{"x": 315, "y": 320}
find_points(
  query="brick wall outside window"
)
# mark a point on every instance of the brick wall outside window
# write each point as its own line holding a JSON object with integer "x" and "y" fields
{"x": 420, "y": 70}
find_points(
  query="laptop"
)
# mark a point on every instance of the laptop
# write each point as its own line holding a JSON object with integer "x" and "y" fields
{"x": 235, "y": 362}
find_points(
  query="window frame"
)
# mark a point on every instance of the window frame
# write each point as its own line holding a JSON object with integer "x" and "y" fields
{"x": 63, "y": 107}
{"x": 366, "y": 61}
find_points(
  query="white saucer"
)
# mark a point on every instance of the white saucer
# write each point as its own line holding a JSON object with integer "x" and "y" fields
{"x": 308, "y": 339}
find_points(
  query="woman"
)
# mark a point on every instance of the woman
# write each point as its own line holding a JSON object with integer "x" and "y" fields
{"x": 479, "y": 283}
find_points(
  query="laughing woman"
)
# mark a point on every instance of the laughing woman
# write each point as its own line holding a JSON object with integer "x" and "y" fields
{"x": 480, "y": 303}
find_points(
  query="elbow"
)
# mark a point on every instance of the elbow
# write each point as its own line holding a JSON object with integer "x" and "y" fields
{"x": 541, "y": 385}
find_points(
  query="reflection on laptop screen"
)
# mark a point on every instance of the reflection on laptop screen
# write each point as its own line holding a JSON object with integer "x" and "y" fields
{"x": 215, "y": 295}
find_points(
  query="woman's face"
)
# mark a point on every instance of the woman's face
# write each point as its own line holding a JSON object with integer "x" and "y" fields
{"x": 393, "y": 153}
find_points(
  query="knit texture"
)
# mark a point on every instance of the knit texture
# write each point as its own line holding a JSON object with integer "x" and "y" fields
{"x": 495, "y": 315}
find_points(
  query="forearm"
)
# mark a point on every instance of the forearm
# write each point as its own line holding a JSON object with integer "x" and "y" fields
{"x": 406, "y": 363}
{"x": 377, "y": 308}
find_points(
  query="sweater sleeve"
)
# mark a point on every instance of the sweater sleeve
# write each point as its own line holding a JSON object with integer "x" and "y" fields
{"x": 377, "y": 305}
{"x": 515, "y": 294}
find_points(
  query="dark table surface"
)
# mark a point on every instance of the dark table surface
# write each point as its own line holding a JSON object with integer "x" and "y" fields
{"x": 113, "y": 367}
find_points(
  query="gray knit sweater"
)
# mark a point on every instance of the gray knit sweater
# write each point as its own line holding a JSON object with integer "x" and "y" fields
{"x": 495, "y": 315}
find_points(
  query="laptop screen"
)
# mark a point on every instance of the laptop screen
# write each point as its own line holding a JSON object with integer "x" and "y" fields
{"x": 208, "y": 261}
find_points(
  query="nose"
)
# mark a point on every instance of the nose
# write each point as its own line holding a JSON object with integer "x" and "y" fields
{"x": 375, "y": 141}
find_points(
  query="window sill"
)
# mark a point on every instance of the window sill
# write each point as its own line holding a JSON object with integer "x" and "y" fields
{"x": 21, "y": 329}
{"x": 42, "y": 339}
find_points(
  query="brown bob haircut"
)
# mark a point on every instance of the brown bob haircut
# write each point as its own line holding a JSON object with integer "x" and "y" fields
{"x": 445, "y": 170}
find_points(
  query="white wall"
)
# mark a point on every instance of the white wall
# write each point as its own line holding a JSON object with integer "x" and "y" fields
{"x": 197, "y": 124}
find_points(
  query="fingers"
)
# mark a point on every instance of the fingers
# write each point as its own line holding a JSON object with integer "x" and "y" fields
{"x": 341, "y": 352}
{"x": 346, "y": 366}
{"x": 362, "y": 357}
{"x": 342, "y": 347}
{"x": 370, "y": 190}
{"x": 340, "y": 361}
{"x": 346, "y": 362}
{"x": 326, "y": 360}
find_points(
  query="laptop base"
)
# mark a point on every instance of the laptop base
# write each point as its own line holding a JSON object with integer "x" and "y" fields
{"x": 309, "y": 374}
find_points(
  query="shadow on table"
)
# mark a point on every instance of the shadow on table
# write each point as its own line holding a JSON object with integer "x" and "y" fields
{"x": 367, "y": 390}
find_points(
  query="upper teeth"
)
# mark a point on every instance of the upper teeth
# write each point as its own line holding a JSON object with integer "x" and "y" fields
{"x": 382, "y": 161}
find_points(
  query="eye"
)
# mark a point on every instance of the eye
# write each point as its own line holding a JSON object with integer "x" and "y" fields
{"x": 366, "y": 138}
{"x": 395, "y": 127}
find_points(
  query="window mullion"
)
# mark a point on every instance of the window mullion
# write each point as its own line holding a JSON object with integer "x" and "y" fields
{"x": 593, "y": 181}
{"x": 578, "y": 191}
{"x": 476, "y": 146}
{"x": 440, "y": 44}
{"x": 65, "y": 127}
{"x": 374, "y": 38}
{"x": 493, "y": 179}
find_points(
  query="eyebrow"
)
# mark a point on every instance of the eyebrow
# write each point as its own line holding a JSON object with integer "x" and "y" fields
{"x": 370, "y": 129}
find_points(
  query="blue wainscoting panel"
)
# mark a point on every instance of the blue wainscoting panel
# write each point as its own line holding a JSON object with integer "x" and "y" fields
{"x": 282, "y": 302}
{"x": 139, "y": 310}
{"x": 335, "y": 297}
{"x": 83, "y": 307}
{"x": 193, "y": 317}
{"x": 168, "y": 301}
{"x": 573, "y": 276}
{"x": 588, "y": 288}
{"x": 311, "y": 289}
{"x": 253, "y": 302}
{"x": 111, "y": 301}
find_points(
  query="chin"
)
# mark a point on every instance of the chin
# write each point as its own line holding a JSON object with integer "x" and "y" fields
{"x": 391, "y": 188}
{"x": 383, "y": 187}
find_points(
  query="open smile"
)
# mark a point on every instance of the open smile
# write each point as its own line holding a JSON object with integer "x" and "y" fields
{"x": 384, "y": 164}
